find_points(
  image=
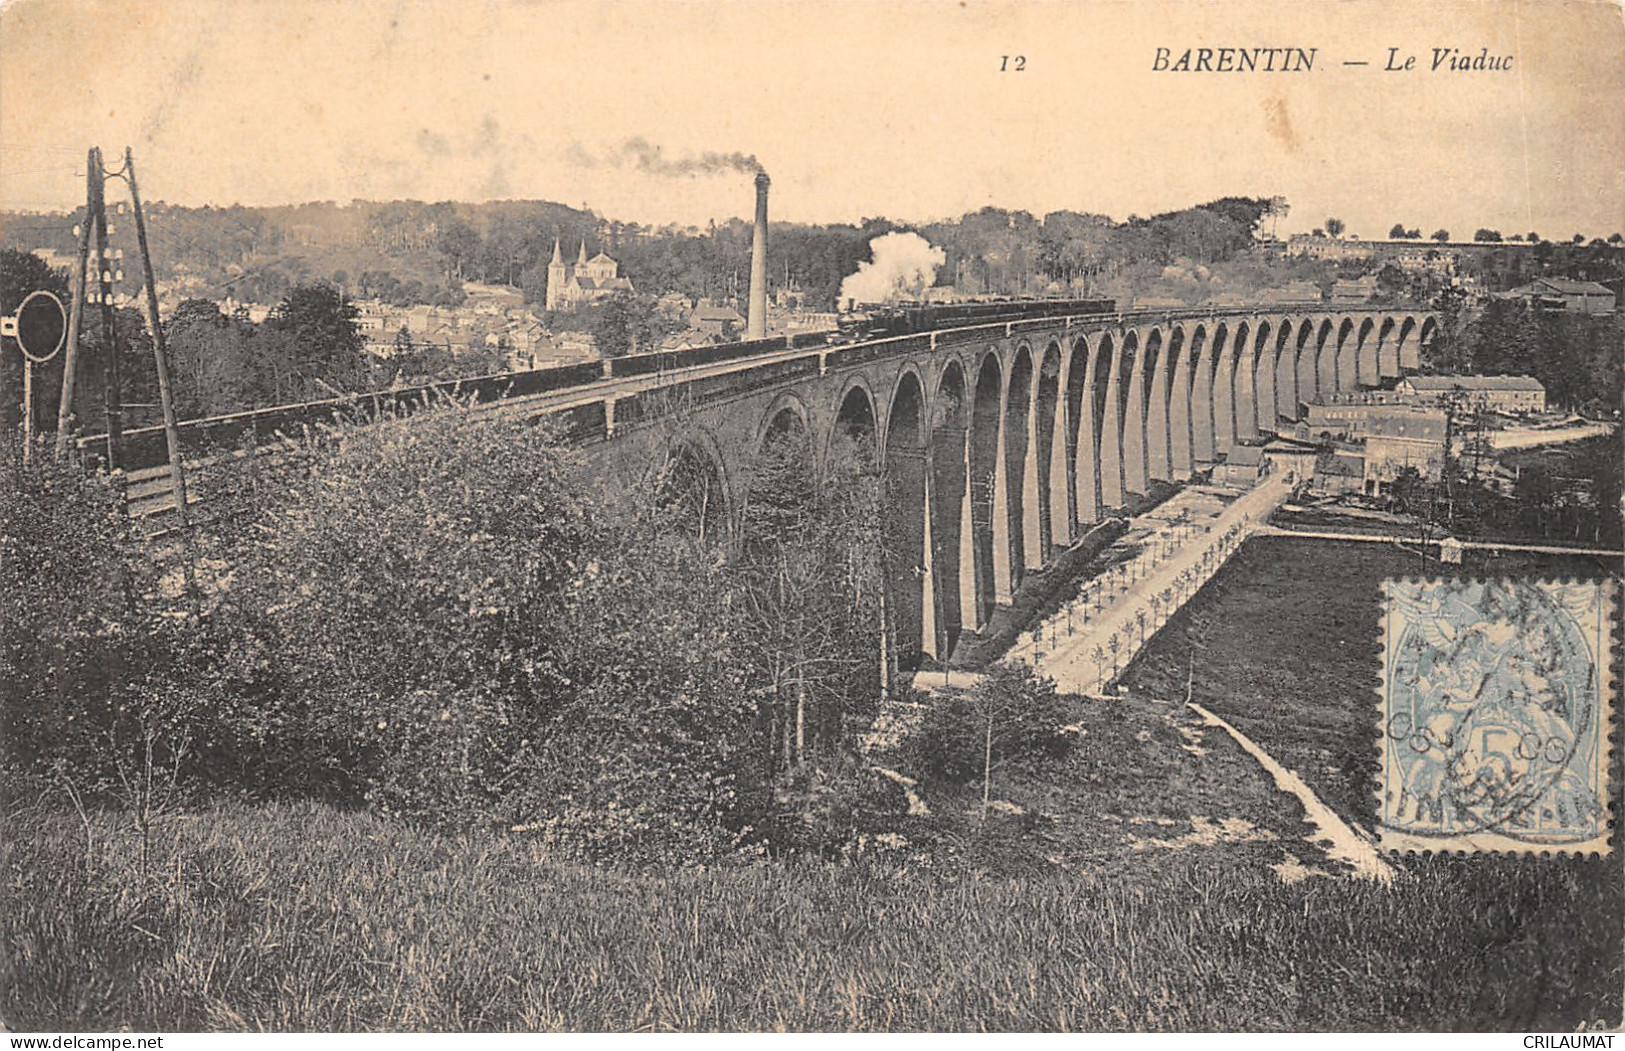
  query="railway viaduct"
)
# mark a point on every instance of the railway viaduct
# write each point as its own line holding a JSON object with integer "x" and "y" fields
{"x": 1002, "y": 445}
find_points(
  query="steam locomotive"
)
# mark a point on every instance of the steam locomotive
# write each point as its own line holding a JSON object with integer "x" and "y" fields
{"x": 903, "y": 319}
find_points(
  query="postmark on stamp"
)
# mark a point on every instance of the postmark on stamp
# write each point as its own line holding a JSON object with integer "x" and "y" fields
{"x": 1495, "y": 716}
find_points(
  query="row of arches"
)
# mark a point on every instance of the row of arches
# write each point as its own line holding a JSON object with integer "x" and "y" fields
{"x": 994, "y": 457}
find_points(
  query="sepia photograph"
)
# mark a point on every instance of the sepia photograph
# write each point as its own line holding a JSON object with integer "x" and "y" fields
{"x": 809, "y": 516}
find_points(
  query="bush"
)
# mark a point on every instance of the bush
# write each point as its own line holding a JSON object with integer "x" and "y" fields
{"x": 83, "y": 636}
{"x": 833, "y": 809}
{"x": 399, "y": 616}
{"x": 1011, "y": 718}
{"x": 428, "y": 616}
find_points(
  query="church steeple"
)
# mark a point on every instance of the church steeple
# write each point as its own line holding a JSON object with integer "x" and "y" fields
{"x": 581, "y": 260}
{"x": 557, "y": 275}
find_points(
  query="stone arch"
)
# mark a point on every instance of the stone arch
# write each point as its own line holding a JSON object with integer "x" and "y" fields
{"x": 1082, "y": 490}
{"x": 1261, "y": 382}
{"x": 691, "y": 487}
{"x": 1286, "y": 372}
{"x": 1017, "y": 432}
{"x": 1048, "y": 456}
{"x": 1387, "y": 348}
{"x": 1158, "y": 464}
{"x": 1366, "y": 373}
{"x": 952, "y": 562}
{"x": 1409, "y": 358}
{"x": 985, "y": 486}
{"x": 909, "y": 374}
{"x": 1179, "y": 402}
{"x": 856, "y": 426}
{"x": 1106, "y": 366}
{"x": 905, "y": 520}
{"x": 1203, "y": 400}
{"x": 1429, "y": 329}
{"x": 1131, "y": 411}
{"x": 1345, "y": 363}
{"x": 1224, "y": 391}
{"x": 782, "y": 474}
{"x": 1323, "y": 363}
{"x": 775, "y": 418}
{"x": 1304, "y": 363}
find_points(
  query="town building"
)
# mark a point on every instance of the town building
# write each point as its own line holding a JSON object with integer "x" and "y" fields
{"x": 1339, "y": 471}
{"x": 1294, "y": 460}
{"x": 1295, "y": 293}
{"x": 1423, "y": 257}
{"x": 1494, "y": 393}
{"x": 1244, "y": 466}
{"x": 715, "y": 322}
{"x": 587, "y": 281}
{"x": 1387, "y": 455}
{"x": 1386, "y": 437}
{"x": 1571, "y": 297}
{"x": 1338, "y": 249}
{"x": 1413, "y": 254}
{"x": 1354, "y": 290}
{"x": 1355, "y": 420}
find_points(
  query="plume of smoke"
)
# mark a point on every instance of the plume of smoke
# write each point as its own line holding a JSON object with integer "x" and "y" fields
{"x": 901, "y": 266}
{"x": 639, "y": 154}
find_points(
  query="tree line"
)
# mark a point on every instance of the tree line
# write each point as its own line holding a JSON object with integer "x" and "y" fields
{"x": 1575, "y": 356}
{"x": 308, "y": 348}
{"x": 411, "y": 251}
{"x": 441, "y": 618}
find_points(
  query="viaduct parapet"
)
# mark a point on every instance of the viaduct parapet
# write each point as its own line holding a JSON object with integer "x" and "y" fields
{"x": 1003, "y": 445}
{"x": 1000, "y": 444}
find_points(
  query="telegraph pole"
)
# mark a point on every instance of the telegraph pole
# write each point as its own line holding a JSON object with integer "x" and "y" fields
{"x": 76, "y": 310}
{"x": 172, "y": 434}
{"x": 112, "y": 401}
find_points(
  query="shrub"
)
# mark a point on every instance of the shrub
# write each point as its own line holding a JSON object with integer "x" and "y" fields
{"x": 1012, "y": 717}
{"x": 834, "y": 808}
{"x": 86, "y": 643}
{"x": 399, "y": 616}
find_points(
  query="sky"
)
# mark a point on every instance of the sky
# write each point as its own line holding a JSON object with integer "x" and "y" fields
{"x": 894, "y": 108}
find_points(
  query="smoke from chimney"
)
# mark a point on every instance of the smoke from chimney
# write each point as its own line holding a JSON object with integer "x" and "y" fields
{"x": 639, "y": 154}
{"x": 756, "y": 323}
{"x": 903, "y": 266}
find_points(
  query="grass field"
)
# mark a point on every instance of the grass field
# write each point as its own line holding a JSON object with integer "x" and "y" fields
{"x": 301, "y": 917}
{"x": 1286, "y": 647}
{"x": 1138, "y": 889}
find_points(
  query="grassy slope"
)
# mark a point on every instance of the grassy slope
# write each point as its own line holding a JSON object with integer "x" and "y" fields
{"x": 301, "y": 917}
{"x": 1282, "y": 600}
{"x": 305, "y": 917}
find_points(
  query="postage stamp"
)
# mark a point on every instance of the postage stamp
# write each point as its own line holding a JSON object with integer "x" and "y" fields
{"x": 1496, "y": 715}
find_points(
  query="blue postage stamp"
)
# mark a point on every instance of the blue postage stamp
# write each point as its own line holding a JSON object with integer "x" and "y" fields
{"x": 1496, "y": 715}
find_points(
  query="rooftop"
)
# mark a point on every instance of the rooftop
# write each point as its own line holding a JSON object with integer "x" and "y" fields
{"x": 1568, "y": 287}
{"x": 1443, "y": 383}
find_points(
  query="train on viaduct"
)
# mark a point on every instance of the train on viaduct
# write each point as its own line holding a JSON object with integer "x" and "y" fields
{"x": 1001, "y": 442}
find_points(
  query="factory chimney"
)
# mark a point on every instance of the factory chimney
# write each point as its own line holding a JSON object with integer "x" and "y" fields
{"x": 756, "y": 323}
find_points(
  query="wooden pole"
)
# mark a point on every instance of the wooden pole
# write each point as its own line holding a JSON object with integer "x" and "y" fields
{"x": 28, "y": 408}
{"x": 76, "y": 310}
{"x": 172, "y": 434}
{"x": 111, "y": 400}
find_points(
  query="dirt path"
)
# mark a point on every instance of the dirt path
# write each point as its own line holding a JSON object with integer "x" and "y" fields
{"x": 1332, "y": 833}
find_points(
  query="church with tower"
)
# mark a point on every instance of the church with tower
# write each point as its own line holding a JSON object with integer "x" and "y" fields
{"x": 589, "y": 279}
